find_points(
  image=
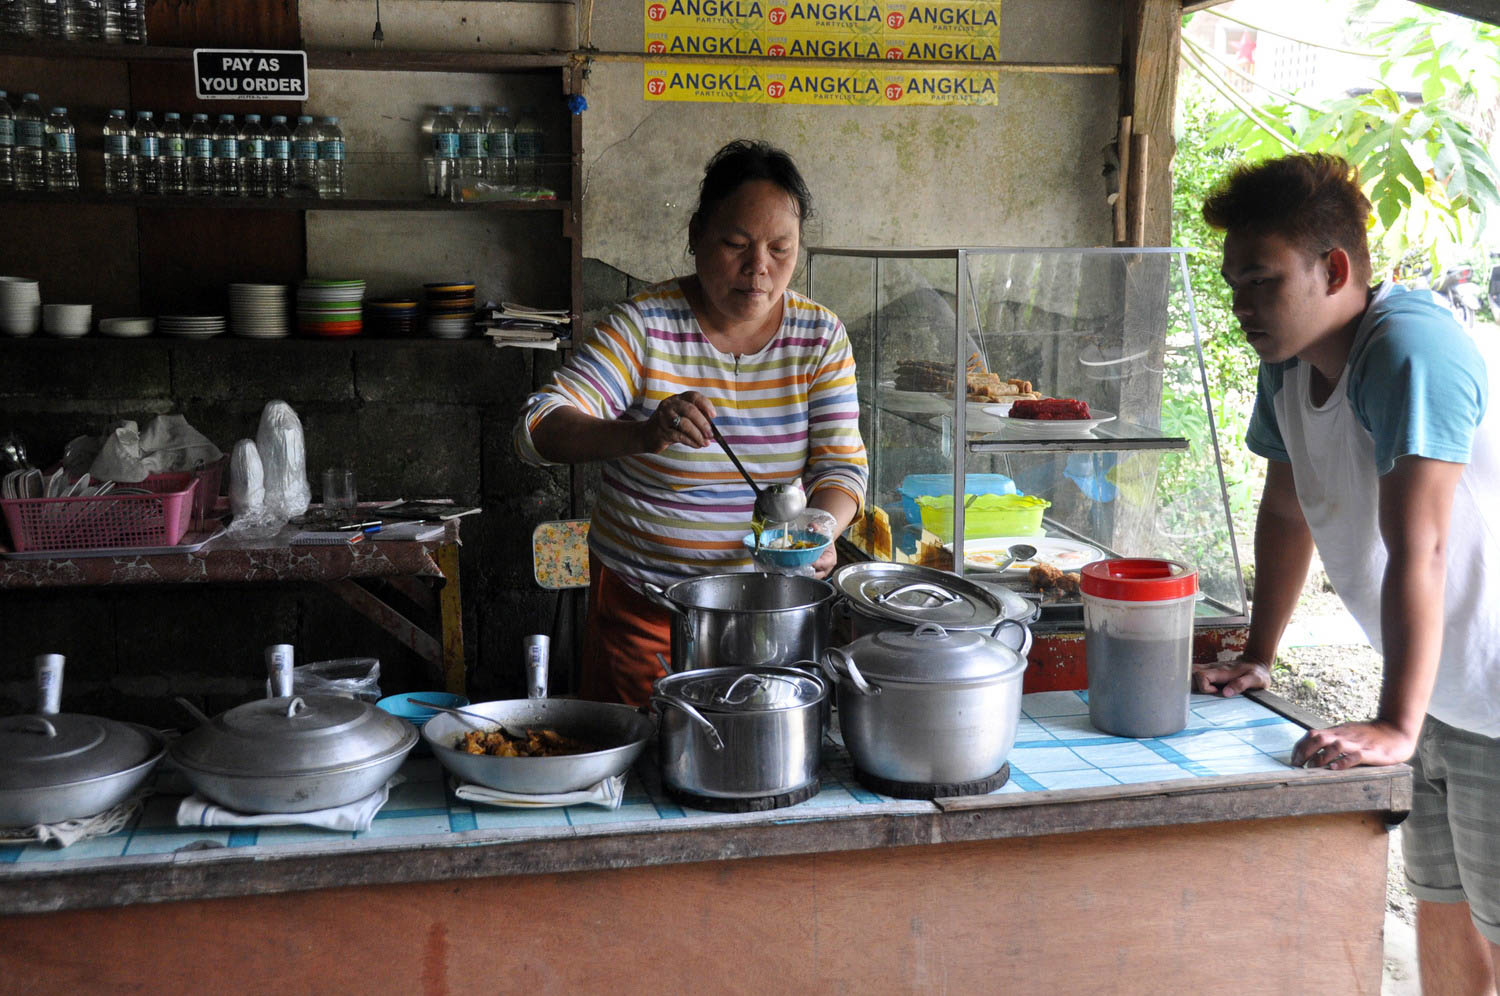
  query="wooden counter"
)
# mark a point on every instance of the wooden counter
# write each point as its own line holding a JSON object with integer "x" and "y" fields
{"x": 1119, "y": 887}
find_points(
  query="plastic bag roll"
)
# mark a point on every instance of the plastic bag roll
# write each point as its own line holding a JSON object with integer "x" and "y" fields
{"x": 283, "y": 458}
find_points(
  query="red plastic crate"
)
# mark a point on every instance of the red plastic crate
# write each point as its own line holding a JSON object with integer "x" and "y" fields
{"x": 106, "y": 522}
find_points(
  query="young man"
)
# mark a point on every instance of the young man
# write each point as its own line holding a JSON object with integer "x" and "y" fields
{"x": 1374, "y": 410}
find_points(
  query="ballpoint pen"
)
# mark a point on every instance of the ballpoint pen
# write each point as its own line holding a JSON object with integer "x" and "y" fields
{"x": 360, "y": 525}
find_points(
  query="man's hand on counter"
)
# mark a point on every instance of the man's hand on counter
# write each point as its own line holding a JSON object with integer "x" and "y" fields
{"x": 1377, "y": 742}
{"x": 1230, "y": 678}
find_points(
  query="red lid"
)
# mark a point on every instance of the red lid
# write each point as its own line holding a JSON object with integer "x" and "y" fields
{"x": 1139, "y": 579}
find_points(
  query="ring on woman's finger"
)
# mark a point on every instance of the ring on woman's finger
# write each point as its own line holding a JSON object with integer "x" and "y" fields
{"x": 676, "y": 421}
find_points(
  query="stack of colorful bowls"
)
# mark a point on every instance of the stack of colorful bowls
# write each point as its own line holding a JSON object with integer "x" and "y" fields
{"x": 450, "y": 309}
{"x": 330, "y": 307}
{"x": 393, "y": 317}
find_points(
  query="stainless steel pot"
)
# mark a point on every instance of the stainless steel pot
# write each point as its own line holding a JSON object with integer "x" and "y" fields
{"x": 57, "y": 766}
{"x": 293, "y": 754}
{"x": 928, "y": 706}
{"x": 746, "y": 619}
{"x": 733, "y": 733}
{"x": 880, "y": 596}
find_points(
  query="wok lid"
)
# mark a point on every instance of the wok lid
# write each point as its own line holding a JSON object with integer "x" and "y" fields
{"x": 910, "y": 595}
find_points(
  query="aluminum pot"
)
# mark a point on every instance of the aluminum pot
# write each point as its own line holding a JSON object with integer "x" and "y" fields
{"x": 736, "y": 733}
{"x": 57, "y": 766}
{"x": 928, "y": 706}
{"x": 880, "y": 596}
{"x": 747, "y": 619}
{"x": 293, "y": 754}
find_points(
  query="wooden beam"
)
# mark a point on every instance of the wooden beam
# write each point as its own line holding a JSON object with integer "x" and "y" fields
{"x": 1475, "y": 10}
{"x": 1193, "y": 6}
{"x": 1153, "y": 30}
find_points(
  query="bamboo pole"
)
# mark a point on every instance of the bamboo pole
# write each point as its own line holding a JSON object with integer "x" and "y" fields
{"x": 1122, "y": 194}
{"x": 1140, "y": 149}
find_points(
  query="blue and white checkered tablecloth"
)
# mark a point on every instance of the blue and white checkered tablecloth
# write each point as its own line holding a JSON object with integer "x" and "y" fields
{"x": 1055, "y": 749}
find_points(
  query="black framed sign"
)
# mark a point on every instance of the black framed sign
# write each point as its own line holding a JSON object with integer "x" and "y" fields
{"x": 249, "y": 74}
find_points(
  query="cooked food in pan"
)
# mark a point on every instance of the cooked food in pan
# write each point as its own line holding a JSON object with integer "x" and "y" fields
{"x": 1050, "y": 581}
{"x": 538, "y": 743}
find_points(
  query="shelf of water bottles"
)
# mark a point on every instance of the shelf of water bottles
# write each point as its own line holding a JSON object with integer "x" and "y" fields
{"x": 480, "y": 155}
{"x": 75, "y": 20}
{"x": 38, "y": 150}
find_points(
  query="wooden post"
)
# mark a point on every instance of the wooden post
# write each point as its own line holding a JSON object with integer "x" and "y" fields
{"x": 1140, "y": 186}
{"x": 1148, "y": 73}
{"x": 1123, "y": 188}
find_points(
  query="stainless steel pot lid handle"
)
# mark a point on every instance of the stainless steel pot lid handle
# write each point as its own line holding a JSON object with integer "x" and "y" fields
{"x": 759, "y": 683}
{"x": 36, "y": 724}
{"x": 709, "y": 731}
{"x": 931, "y": 631}
{"x": 295, "y": 706}
{"x": 943, "y": 595}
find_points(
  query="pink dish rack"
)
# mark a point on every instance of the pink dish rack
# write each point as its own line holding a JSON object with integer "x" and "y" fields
{"x": 108, "y": 521}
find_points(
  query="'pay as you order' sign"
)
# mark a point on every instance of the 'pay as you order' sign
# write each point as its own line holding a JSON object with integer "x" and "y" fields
{"x": 249, "y": 74}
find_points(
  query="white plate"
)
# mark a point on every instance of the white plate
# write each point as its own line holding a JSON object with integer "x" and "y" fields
{"x": 1063, "y": 554}
{"x": 1038, "y": 428}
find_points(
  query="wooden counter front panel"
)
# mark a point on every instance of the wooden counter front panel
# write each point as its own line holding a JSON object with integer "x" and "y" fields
{"x": 1238, "y": 907}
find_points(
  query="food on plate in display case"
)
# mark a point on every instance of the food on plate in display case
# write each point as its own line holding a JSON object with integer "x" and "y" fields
{"x": 1050, "y": 581}
{"x": 537, "y": 743}
{"x": 936, "y": 377}
{"x": 1051, "y": 409}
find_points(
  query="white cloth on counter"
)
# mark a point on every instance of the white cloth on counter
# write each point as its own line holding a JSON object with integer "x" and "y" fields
{"x": 129, "y": 454}
{"x": 67, "y": 832}
{"x": 196, "y": 811}
{"x": 607, "y": 794}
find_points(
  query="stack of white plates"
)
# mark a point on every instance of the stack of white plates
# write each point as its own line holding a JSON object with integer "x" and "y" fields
{"x": 20, "y": 306}
{"x": 258, "y": 311}
{"x": 126, "y": 328}
{"x": 450, "y": 326}
{"x": 191, "y": 326}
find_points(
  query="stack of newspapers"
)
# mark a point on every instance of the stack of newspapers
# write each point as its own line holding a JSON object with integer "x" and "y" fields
{"x": 522, "y": 325}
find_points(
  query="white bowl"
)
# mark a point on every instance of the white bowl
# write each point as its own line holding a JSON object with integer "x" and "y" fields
{"x": 68, "y": 320}
{"x": 127, "y": 328}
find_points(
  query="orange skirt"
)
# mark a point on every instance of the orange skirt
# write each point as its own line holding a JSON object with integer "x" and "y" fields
{"x": 622, "y": 635}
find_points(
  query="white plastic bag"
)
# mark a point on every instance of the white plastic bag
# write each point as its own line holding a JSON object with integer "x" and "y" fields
{"x": 283, "y": 458}
{"x": 169, "y": 443}
{"x": 247, "y": 487}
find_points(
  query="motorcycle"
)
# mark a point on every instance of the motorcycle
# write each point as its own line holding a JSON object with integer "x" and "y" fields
{"x": 1455, "y": 287}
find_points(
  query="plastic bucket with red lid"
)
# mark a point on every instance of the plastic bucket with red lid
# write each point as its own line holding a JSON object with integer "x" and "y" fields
{"x": 1138, "y": 644}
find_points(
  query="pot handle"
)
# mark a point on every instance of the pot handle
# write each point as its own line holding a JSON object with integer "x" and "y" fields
{"x": 943, "y": 595}
{"x": 295, "y": 706}
{"x": 666, "y": 665}
{"x": 197, "y": 713}
{"x": 37, "y": 724}
{"x": 1025, "y": 647}
{"x": 860, "y": 684}
{"x": 714, "y": 740}
{"x": 654, "y": 594}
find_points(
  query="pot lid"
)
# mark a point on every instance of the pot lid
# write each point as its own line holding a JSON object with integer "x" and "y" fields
{"x": 932, "y": 654}
{"x": 912, "y": 595}
{"x": 734, "y": 689}
{"x": 291, "y": 735}
{"x": 46, "y": 751}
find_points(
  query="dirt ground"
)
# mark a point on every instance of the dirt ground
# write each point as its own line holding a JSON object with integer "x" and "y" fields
{"x": 1339, "y": 682}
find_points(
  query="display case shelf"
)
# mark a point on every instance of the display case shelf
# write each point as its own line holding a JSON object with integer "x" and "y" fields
{"x": 1114, "y": 328}
{"x": 170, "y": 201}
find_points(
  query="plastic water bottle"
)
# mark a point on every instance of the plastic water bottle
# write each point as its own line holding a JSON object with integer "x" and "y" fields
{"x": 305, "y": 158}
{"x": 31, "y": 146}
{"x": 528, "y": 149}
{"x": 7, "y": 143}
{"x": 444, "y": 150}
{"x": 229, "y": 168}
{"x": 133, "y": 21}
{"x": 119, "y": 166}
{"x": 108, "y": 14}
{"x": 279, "y": 156}
{"x": 145, "y": 146}
{"x": 59, "y": 20}
{"x": 502, "y": 147}
{"x": 62, "y": 151}
{"x": 85, "y": 20}
{"x": 174, "y": 162}
{"x": 472, "y": 142}
{"x": 253, "y": 151}
{"x": 200, "y": 150}
{"x": 331, "y": 153}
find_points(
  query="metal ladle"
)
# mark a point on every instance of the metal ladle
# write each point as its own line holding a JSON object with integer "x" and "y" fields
{"x": 1018, "y": 552}
{"x": 774, "y": 502}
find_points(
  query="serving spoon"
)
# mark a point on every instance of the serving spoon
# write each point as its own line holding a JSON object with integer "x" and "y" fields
{"x": 1019, "y": 552}
{"x": 468, "y": 718}
{"x": 774, "y": 502}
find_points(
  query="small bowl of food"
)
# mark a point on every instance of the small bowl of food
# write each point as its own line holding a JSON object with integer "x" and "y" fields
{"x": 787, "y": 548}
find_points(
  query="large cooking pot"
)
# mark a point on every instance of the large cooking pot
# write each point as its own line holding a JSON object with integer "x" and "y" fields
{"x": 746, "y": 619}
{"x": 57, "y": 766}
{"x": 881, "y": 596}
{"x": 293, "y": 754}
{"x": 733, "y": 733}
{"x": 618, "y": 731}
{"x": 928, "y": 706}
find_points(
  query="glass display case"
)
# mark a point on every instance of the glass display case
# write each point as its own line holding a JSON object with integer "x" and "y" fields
{"x": 946, "y": 340}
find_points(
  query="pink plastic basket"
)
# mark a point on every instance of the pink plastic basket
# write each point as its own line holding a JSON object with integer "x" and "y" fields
{"x": 107, "y": 522}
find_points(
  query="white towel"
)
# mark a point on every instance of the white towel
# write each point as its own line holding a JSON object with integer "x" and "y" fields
{"x": 196, "y": 811}
{"x": 67, "y": 832}
{"x": 608, "y": 794}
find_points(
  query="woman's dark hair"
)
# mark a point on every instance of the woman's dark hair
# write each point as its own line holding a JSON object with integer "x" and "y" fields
{"x": 1312, "y": 200}
{"x": 741, "y": 162}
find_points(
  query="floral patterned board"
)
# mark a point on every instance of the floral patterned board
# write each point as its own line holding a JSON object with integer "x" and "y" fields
{"x": 560, "y": 553}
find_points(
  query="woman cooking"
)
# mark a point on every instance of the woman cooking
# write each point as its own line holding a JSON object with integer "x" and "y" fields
{"x": 731, "y": 343}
